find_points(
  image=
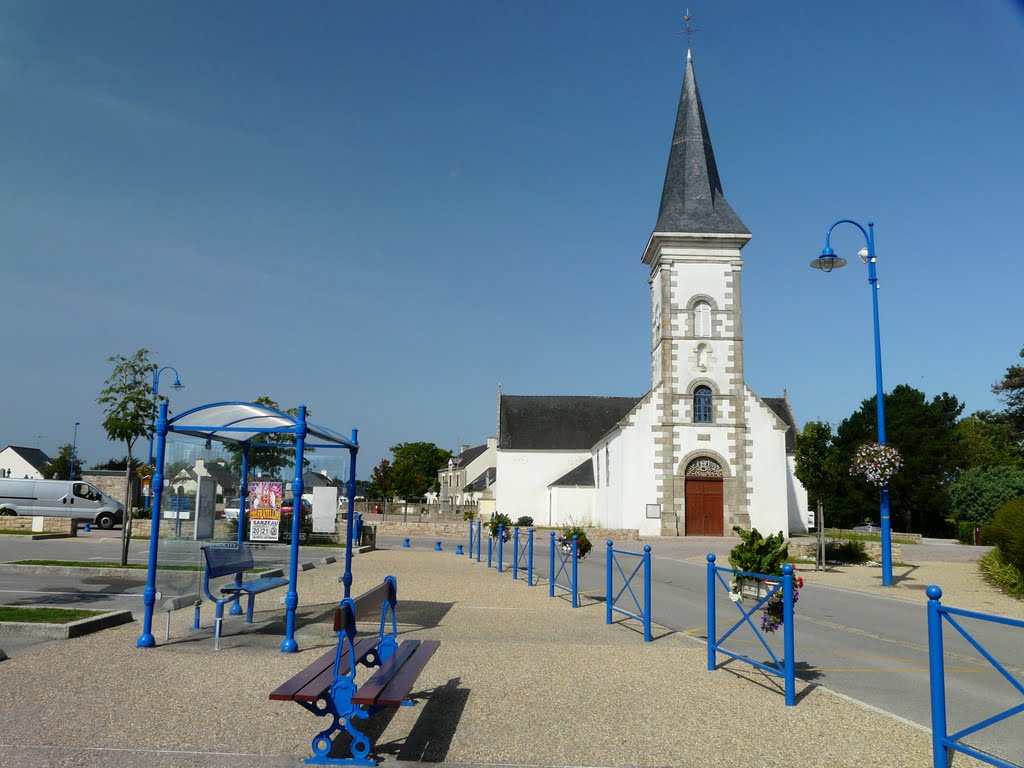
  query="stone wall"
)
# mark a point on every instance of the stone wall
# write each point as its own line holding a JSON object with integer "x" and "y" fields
{"x": 805, "y": 548}
{"x": 896, "y": 536}
{"x": 460, "y": 530}
{"x": 29, "y": 523}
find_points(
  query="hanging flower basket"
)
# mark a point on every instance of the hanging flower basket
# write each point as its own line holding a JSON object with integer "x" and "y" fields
{"x": 876, "y": 463}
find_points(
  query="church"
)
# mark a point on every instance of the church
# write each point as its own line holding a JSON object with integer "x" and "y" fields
{"x": 701, "y": 452}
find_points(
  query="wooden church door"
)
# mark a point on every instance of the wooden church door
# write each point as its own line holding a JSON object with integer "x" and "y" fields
{"x": 705, "y": 511}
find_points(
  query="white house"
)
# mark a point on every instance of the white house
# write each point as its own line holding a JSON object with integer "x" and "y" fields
{"x": 700, "y": 452}
{"x": 21, "y": 462}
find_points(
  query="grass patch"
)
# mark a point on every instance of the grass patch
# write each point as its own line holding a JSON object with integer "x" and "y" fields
{"x": 1006, "y": 576}
{"x": 104, "y": 564}
{"x": 46, "y": 615}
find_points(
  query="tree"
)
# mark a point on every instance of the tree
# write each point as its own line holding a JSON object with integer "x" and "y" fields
{"x": 129, "y": 411}
{"x": 380, "y": 481}
{"x": 979, "y": 492}
{"x": 816, "y": 469}
{"x": 415, "y": 467}
{"x": 987, "y": 441}
{"x": 1010, "y": 389}
{"x": 59, "y": 468}
{"x": 925, "y": 434}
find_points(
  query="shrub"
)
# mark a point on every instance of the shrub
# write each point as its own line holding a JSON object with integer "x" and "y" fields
{"x": 583, "y": 545}
{"x": 468, "y": 514}
{"x": 849, "y": 551}
{"x": 525, "y": 522}
{"x": 1006, "y": 531}
{"x": 499, "y": 519}
{"x": 756, "y": 554}
{"x": 1002, "y": 574}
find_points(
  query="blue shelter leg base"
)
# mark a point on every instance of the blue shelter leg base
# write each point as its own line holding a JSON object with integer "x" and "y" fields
{"x": 146, "y": 641}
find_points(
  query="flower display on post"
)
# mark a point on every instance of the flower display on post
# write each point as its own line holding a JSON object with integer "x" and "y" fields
{"x": 876, "y": 463}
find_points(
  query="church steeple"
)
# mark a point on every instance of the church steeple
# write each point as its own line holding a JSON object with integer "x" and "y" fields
{"x": 692, "y": 200}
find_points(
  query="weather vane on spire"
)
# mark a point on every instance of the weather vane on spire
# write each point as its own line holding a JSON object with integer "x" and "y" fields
{"x": 689, "y": 30}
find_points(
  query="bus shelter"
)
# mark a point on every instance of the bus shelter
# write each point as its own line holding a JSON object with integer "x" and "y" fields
{"x": 244, "y": 424}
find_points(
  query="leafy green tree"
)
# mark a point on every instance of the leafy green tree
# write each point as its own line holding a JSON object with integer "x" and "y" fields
{"x": 987, "y": 441}
{"x": 60, "y": 467}
{"x": 114, "y": 464}
{"x": 979, "y": 492}
{"x": 925, "y": 434}
{"x": 816, "y": 459}
{"x": 1010, "y": 389}
{"x": 380, "y": 481}
{"x": 415, "y": 467}
{"x": 126, "y": 402}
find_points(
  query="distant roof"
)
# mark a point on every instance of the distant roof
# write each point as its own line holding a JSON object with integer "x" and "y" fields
{"x": 470, "y": 453}
{"x": 782, "y": 409}
{"x": 33, "y": 456}
{"x": 483, "y": 481}
{"x": 692, "y": 200}
{"x": 580, "y": 476}
{"x": 544, "y": 422}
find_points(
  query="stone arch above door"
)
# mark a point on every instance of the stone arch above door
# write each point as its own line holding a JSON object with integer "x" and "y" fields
{"x": 704, "y": 466}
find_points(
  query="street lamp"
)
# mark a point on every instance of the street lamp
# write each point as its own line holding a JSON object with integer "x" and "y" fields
{"x": 826, "y": 263}
{"x": 74, "y": 442}
{"x": 177, "y": 385}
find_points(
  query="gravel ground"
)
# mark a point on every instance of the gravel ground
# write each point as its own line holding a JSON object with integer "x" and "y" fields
{"x": 520, "y": 679}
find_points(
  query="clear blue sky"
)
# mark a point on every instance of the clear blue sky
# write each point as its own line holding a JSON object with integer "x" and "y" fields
{"x": 382, "y": 210}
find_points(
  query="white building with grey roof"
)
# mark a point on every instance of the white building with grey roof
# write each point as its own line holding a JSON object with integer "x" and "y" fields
{"x": 700, "y": 452}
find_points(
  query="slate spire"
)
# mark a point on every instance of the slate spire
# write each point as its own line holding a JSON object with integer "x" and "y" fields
{"x": 692, "y": 199}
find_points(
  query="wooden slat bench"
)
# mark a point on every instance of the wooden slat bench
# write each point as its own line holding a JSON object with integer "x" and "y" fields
{"x": 327, "y": 687}
{"x": 225, "y": 560}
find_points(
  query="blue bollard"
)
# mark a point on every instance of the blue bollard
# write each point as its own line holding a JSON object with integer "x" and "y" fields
{"x": 407, "y": 544}
{"x": 437, "y": 546}
{"x": 458, "y": 550}
{"x": 87, "y": 528}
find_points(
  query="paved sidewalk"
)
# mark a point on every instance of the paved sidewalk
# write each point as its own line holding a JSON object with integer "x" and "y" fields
{"x": 521, "y": 679}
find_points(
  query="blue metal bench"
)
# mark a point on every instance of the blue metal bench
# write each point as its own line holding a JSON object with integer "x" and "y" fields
{"x": 225, "y": 560}
{"x": 327, "y": 687}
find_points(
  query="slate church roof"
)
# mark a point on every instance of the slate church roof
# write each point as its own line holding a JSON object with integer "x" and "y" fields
{"x": 580, "y": 476}
{"x": 527, "y": 422}
{"x": 692, "y": 199}
{"x": 782, "y": 409}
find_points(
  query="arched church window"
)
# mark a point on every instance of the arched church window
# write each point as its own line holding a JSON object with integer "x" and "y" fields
{"x": 702, "y": 405}
{"x": 702, "y": 319}
{"x": 704, "y": 467}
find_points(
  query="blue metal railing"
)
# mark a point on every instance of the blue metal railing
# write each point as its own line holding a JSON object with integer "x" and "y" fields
{"x": 942, "y": 741}
{"x": 475, "y": 538}
{"x": 568, "y": 565}
{"x": 786, "y": 668}
{"x": 496, "y": 544}
{"x": 643, "y": 611}
{"x": 520, "y": 553}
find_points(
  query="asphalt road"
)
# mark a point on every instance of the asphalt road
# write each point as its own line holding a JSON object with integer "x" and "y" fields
{"x": 871, "y": 648}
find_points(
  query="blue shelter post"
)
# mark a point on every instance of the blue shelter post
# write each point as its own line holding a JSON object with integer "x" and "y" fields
{"x": 575, "y": 572}
{"x": 711, "y": 612}
{"x": 551, "y": 579}
{"x": 647, "y": 593}
{"x": 936, "y": 675}
{"x": 346, "y": 578}
{"x": 146, "y": 639}
{"x": 470, "y": 539}
{"x": 291, "y": 600}
{"x": 608, "y": 583}
{"x": 788, "y": 643}
{"x": 515, "y": 553}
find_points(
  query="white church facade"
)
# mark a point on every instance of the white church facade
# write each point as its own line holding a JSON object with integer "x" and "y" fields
{"x": 700, "y": 452}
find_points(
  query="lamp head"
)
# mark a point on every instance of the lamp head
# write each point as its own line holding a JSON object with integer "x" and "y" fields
{"x": 177, "y": 384}
{"x": 828, "y": 260}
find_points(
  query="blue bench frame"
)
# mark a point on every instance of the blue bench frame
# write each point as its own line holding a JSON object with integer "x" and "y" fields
{"x": 327, "y": 687}
{"x": 227, "y": 559}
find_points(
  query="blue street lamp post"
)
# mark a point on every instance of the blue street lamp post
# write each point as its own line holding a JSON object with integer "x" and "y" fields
{"x": 74, "y": 443}
{"x": 826, "y": 263}
{"x": 177, "y": 385}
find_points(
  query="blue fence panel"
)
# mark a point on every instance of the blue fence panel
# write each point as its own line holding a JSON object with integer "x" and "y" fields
{"x": 942, "y": 741}
{"x": 521, "y": 553}
{"x": 474, "y": 539}
{"x": 643, "y": 613}
{"x": 786, "y": 668}
{"x": 568, "y": 565}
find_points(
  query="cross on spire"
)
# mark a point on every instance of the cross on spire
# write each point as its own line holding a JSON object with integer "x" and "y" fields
{"x": 689, "y": 30}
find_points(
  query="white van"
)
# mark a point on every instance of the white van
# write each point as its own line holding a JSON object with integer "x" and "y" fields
{"x": 59, "y": 498}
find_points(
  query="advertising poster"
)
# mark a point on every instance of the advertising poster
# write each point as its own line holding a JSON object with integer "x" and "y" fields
{"x": 264, "y": 510}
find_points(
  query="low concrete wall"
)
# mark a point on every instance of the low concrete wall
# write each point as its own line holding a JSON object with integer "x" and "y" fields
{"x": 49, "y": 524}
{"x": 805, "y": 548}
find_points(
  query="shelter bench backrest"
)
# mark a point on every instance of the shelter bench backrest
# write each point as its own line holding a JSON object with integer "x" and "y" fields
{"x": 221, "y": 561}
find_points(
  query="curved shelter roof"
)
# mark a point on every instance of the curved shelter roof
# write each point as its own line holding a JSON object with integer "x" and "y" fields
{"x": 240, "y": 422}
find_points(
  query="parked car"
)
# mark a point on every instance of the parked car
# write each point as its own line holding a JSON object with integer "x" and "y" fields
{"x": 867, "y": 528}
{"x": 288, "y": 504}
{"x": 232, "y": 508}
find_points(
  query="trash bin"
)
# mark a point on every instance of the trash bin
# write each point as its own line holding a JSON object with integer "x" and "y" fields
{"x": 357, "y": 529}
